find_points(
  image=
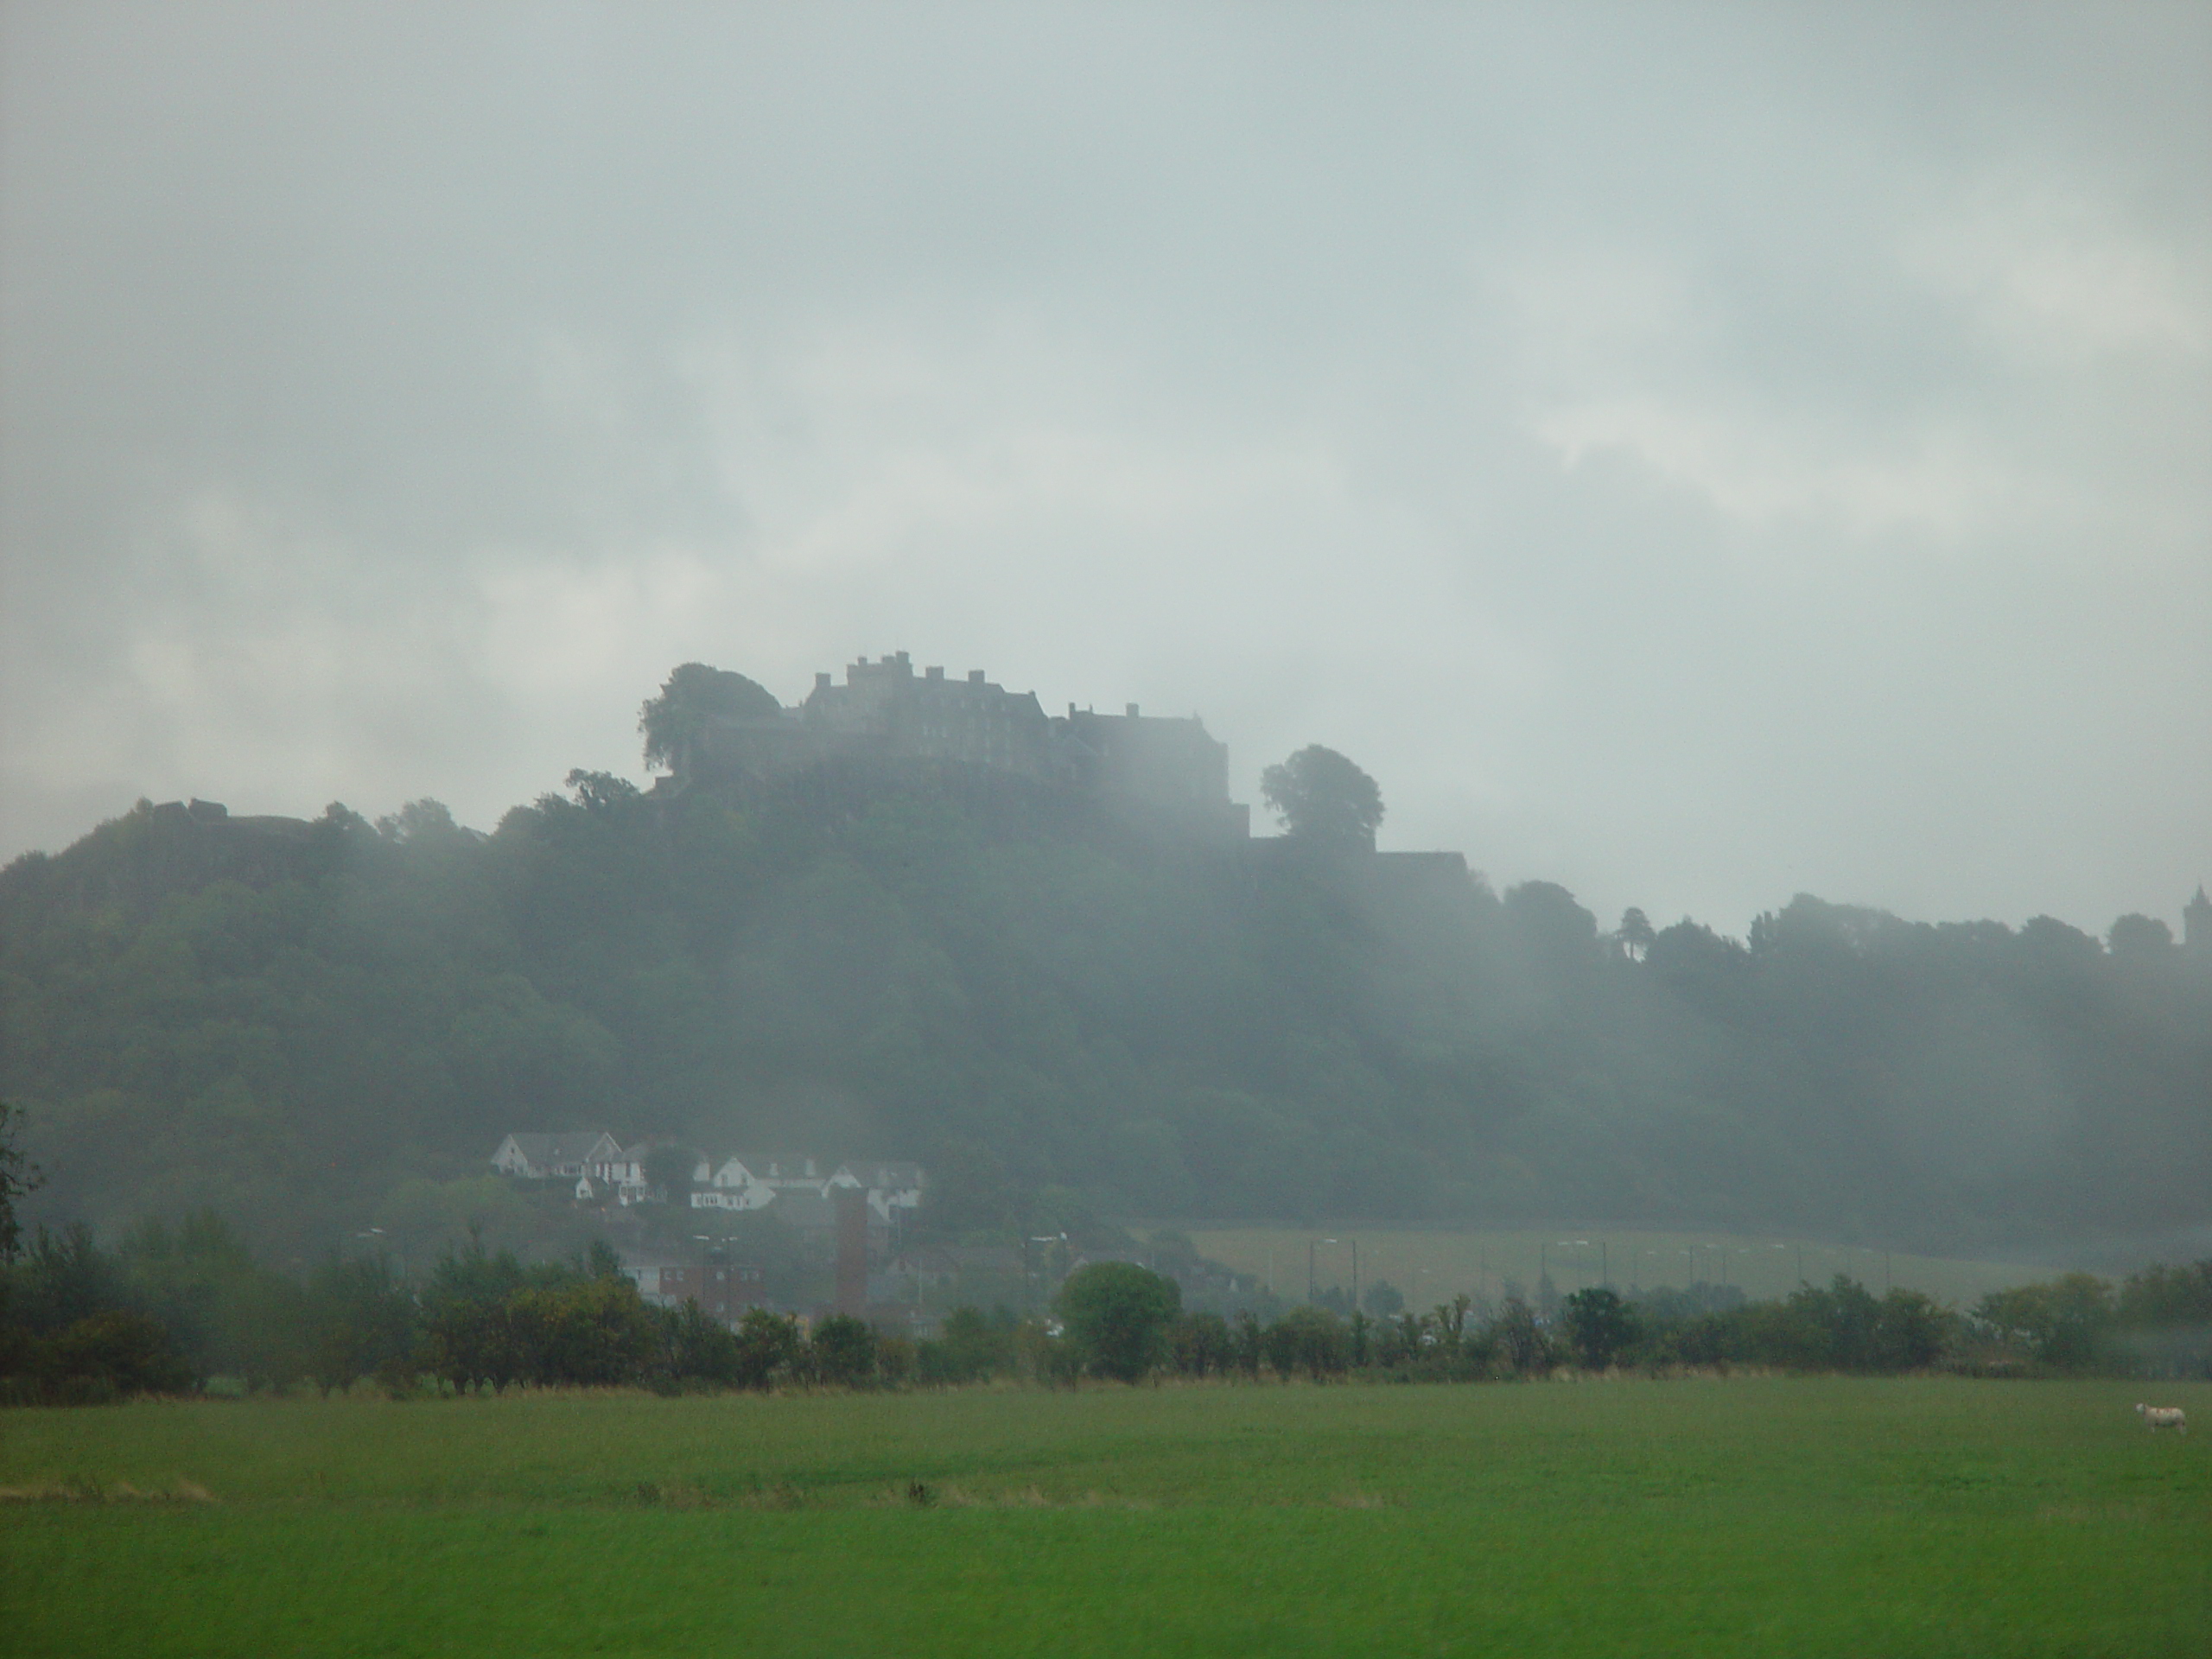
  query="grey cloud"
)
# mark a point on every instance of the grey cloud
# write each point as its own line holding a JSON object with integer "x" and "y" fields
{"x": 1691, "y": 452}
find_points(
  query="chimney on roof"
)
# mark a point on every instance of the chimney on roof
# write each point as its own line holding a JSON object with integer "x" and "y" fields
{"x": 821, "y": 680}
{"x": 933, "y": 673}
{"x": 1133, "y": 711}
{"x": 975, "y": 676}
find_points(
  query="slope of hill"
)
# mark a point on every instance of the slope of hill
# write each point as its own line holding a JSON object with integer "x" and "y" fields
{"x": 285, "y": 1020}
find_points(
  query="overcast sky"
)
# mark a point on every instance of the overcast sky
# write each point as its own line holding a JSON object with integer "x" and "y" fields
{"x": 1693, "y": 454}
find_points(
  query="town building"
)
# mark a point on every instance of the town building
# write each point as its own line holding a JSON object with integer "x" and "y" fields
{"x": 724, "y": 1290}
{"x": 801, "y": 1191}
{"x": 581, "y": 1155}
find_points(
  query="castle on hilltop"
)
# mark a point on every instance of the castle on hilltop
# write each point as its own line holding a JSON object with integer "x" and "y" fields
{"x": 1166, "y": 769}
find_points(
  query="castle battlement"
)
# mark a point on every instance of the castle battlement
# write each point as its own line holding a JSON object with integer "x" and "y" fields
{"x": 1166, "y": 768}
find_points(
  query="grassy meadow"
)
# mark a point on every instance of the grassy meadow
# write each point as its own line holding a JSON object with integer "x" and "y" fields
{"x": 1699, "y": 1516}
{"x": 1433, "y": 1264}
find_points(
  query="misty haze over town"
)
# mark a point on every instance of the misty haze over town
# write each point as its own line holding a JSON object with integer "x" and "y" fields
{"x": 1118, "y": 829}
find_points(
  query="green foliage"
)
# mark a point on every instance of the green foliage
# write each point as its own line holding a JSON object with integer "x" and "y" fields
{"x": 768, "y": 1348}
{"x": 105, "y": 1356}
{"x": 1519, "y": 1337}
{"x": 2062, "y": 1323}
{"x": 317, "y": 1029}
{"x": 842, "y": 1352}
{"x": 2164, "y": 1297}
{"x": 1383, "y": 1300}
{"x": 1309, "y": 1340}
{"x": 230, "y": 1316}
{"x": 361, "y": 1321}
{"x": 1600, "y": 1324}
{"x": 1117, "y": 1316}
{"x": 2137, "y": 937}
{"x": 969, "y": 1346}
{"x": 694, "y": 697}
{"x": 1323, "y": 798}
{"x": 18, "y": 1176}
{"x": 488, "y": 1319}
{"x": 1201, "y": 1344}
{"x": 595, "y": 1331}
{"x": 1838, "y": 1328}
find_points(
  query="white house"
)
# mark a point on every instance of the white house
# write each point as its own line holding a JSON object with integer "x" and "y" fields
{"x": 599, "y": 1165}
{"x": 893, "y": 1190}
{"x": 747, "y": 1181}
{"x": 559, "y": 1157}
{"x": 735, "y": 1185}
{"x": 799, "y": 1190}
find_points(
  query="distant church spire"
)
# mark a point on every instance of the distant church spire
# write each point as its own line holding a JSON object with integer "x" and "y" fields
{"x": 2197, "y": 922}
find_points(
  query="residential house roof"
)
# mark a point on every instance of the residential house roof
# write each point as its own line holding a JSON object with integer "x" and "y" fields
{"x": 581, "y": 1145}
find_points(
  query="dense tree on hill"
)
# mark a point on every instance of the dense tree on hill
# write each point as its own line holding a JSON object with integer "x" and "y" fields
{"x": 2139, "y": 936}
{"x": 317, "y": 1029}
{"x": 1323, "y": 798}
{"x": 18, "y": 1177}
{"x": 695, "y": 696}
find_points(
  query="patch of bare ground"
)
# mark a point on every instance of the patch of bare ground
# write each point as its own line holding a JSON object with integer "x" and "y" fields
{"x": 114, "y": 1491}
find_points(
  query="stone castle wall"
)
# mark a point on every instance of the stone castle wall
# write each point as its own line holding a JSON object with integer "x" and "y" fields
{"x": 1167, "y": 770}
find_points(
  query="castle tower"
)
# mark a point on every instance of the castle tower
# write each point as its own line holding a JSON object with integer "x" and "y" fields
{"x": 2196, "y": 923}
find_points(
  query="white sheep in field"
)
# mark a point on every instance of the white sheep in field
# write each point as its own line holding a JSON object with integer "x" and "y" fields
{"x": 2158, "y": 1417}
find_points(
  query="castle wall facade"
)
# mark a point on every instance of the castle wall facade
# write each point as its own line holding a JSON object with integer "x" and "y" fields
{"x": 1168, "y": 771}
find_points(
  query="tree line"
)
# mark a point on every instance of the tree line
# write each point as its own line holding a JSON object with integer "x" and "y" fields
{"x": 171, "y": 1310}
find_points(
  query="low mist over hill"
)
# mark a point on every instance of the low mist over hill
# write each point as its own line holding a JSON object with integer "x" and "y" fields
{"x": 1023, "y": 988}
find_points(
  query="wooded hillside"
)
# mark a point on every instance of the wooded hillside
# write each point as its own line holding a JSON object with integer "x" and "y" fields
{"x": 293, "y": 1022}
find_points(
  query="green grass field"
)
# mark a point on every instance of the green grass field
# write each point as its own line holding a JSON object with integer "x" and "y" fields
{"x": 1433, "y": 1264}
{"x": 1700, "y": 1516}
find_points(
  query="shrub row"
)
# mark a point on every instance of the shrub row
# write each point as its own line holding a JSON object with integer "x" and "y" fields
{"x": 171, "y": 1310}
